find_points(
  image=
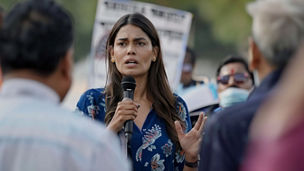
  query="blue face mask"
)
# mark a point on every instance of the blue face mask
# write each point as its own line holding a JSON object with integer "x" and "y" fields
{"x": 232, "y": 96}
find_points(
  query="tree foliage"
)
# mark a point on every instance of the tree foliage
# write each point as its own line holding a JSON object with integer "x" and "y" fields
{"x": 83, "y": 14}
{"x": 219, "y": 26}
{"x": 229, "y": 20}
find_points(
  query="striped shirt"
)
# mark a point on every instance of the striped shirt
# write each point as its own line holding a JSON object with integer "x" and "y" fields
{"x": 37, "y": 134}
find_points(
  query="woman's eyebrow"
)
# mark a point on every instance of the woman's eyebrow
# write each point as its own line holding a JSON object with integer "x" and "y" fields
{"x": 122, "y": 39}
{"x": 139, "y": 38}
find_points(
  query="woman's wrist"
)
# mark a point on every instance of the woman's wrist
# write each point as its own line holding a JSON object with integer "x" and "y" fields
{"x": 112, "y": 128}
{"x": 191, "y": 158}
{"x": 191, "y": 161}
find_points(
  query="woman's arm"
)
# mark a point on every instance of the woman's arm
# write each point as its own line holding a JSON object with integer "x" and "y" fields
{"x": 190, "y": 142}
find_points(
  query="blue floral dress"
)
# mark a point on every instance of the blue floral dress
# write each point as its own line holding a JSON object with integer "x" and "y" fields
{"x": 151, "y": 147}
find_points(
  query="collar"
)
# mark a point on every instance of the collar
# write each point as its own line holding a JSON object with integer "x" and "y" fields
{"x": 267, "y": 84}
{"x": 25, "y": 87}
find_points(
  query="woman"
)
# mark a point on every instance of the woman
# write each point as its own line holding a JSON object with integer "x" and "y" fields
{"x": 158, "y": 143}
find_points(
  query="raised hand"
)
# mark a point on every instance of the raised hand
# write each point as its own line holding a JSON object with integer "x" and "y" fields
{"x": 190, "y": 142}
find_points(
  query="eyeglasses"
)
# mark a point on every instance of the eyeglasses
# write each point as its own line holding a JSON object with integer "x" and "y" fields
{"x": 238, "y": 78}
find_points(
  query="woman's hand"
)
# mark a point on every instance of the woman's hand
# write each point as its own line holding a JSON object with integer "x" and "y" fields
{"x": 190, "y": 142}
{"x": 126, "y": 110}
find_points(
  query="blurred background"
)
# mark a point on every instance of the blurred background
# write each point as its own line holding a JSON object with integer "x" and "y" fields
{"x": 219, "y": 28}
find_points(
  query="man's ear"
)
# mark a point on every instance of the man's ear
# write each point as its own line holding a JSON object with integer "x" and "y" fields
{"x": 254, "y": 55}
{"x": 66, "y": 65}
{"x": 1, "y": 77}
{"x": 61, "y": 79}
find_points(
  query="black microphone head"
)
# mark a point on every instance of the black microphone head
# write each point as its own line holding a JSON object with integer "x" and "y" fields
{"x": 128, "y": 82}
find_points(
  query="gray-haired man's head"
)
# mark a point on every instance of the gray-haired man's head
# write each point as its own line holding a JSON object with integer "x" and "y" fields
{"x": 278, "y": 28}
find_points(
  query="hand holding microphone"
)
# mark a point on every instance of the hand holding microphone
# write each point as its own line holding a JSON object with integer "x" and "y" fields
{"x": 128, "y": 84}
{"x": 126, "y": 110}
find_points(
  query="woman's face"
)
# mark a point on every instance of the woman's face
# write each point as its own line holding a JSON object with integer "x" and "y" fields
{"x": 133, "y": 51}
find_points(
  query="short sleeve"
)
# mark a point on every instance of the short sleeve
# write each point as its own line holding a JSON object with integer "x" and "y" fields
{"x": 92, "y": 104}
{"x": 183, "y": 112}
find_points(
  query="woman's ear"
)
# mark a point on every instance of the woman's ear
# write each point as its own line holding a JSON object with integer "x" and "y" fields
{"x": 111, "y": 51}
{"x": 155, "y": 52}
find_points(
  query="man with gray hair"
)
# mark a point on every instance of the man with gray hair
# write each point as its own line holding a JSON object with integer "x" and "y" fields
{"x": 278, "y": 30}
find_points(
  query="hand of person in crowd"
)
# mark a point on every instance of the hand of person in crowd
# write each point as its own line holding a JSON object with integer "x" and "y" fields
{"x": 126, "y": 110}
{"x": 190, "y": 142}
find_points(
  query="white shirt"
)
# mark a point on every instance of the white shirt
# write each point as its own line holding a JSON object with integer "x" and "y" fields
{"x": 36, "y": 134}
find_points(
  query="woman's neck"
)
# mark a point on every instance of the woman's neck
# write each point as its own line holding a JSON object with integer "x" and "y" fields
{"x": 141, "y": 89}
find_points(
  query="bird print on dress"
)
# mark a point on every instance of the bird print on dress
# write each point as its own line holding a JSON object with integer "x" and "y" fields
{"x": 148, "y": 140}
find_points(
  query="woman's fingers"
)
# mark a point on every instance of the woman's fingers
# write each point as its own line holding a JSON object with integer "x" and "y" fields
{"x": 126, "y": 110}
{"x": 124, "y": 118}
{"x": 127, "y": 105}
{"x": 199, "y": 121}
{"x": 122, "y": 113}
{"x": 179, "y": 129}
{"x": 202, "y": 124}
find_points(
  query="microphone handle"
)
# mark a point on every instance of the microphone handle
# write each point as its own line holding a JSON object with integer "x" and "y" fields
{"x": 129, "y": 129}
{"x": 128, "y": 94}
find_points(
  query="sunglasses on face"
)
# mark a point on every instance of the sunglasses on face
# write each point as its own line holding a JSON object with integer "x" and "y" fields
{"x": 238, "y": 78}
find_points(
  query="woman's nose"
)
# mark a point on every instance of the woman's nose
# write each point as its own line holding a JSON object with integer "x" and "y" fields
{"x": 131, "y": 50}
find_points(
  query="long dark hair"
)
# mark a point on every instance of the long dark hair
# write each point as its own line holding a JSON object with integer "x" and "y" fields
{"x": 158, "y": 89}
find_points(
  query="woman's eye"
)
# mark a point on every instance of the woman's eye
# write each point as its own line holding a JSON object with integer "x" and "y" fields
{"x": 121, "y": 44}
{"x": 141, "y": 43}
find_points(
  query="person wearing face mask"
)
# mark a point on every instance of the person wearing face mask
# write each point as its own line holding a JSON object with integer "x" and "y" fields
{"x": 234, "y": 81}
{"x": 277, "y": 33}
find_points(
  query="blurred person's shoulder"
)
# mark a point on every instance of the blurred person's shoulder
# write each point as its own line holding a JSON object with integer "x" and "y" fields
{"x": 47, "y": 118}
{"x": 239, "y": 115}
{"x": 50, "y": 126}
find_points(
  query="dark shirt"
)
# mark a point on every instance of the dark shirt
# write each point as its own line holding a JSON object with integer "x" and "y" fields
{"x": 226, "y": 133}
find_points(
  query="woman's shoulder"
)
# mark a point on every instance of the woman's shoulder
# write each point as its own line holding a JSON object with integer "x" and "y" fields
{"x": 182, "y": 111}
{"x": 179, "y": 100}
{"x": 181, "y": 104}
{"x": 94, "y": 91}
{"x": 92, "y": 97}
{"x": 92, "y": 103}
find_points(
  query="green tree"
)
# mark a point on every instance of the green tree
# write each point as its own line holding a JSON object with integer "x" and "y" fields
{"x": 83, "y": 13}
{"x": 220, "y": 27}
{"x": 229, "y": 20}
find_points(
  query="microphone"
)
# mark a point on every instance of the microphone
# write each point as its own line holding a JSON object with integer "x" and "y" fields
{"x": 128, "y": 84}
